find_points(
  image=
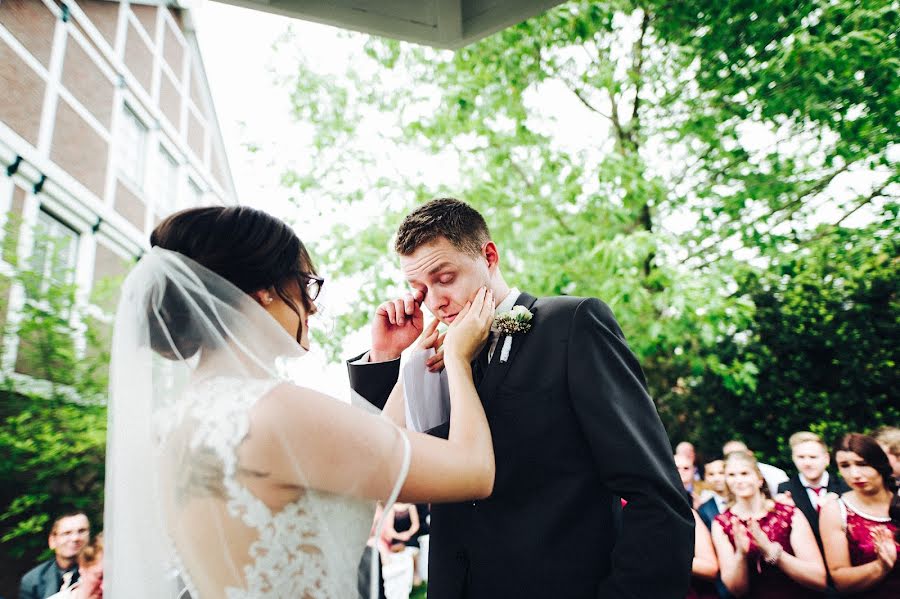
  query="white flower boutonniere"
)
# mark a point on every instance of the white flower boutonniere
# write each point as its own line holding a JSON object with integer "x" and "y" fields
{"x": 515, "y": 322}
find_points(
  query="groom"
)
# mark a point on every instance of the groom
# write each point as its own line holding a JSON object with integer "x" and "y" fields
{"x": 573, "y": 428}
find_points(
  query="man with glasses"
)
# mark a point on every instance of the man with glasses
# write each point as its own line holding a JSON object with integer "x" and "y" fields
{"x": 68, "y": 536}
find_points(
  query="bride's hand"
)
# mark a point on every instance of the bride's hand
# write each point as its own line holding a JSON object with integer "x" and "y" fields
{"x": 469, "y": 330}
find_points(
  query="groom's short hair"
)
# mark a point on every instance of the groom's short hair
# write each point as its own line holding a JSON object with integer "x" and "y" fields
{"x": 462, "y": 225}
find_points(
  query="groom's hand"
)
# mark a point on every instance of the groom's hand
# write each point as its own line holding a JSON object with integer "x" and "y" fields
{"x": 398, "y": 323}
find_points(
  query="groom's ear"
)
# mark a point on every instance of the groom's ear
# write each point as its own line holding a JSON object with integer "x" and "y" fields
{"x": 491, "y": 254}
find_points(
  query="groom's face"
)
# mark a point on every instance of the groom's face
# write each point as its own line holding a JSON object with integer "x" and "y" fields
{"x": 446, "y": 275}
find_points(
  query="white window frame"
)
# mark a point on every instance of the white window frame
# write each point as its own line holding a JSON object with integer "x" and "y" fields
{"x": 133, "y": 171}
{"x": 166, "y": 196}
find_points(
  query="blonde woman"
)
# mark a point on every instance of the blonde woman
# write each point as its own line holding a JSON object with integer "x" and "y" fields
{"x": 766, "y": 549}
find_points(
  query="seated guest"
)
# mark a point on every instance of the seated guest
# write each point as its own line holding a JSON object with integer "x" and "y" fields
{"x": 713, "y": 498}
{"x": 68, "y": 536}
{"x": 889, "y": 440}
{"x": 90, "y": 568}
{"x": 705, "y": 567}
{"x": 773, "y": 475}
{"x": 860, "y": 528}
{"x": 766, "y": 549}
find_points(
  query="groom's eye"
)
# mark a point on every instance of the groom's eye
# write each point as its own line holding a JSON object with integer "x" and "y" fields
{"x": 445, "y": 279}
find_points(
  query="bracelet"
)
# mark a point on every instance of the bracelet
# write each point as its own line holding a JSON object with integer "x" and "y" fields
{"x": 773, "y": 557}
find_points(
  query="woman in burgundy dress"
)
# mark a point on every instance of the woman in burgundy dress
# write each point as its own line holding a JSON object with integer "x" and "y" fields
{"x": 860, "y": 528}
{"x": 766, "y": 549}
{"x": 705, "y": 568}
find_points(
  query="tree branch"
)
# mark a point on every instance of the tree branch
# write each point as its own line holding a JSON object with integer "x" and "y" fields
{"x": 637, "y": 66}
{"x": 551, "y": 209}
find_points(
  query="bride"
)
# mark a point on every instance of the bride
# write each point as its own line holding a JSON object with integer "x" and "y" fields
{"x": 227, "y": 476}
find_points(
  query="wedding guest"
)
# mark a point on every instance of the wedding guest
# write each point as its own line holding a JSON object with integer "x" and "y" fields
{"x": 860, "y": 528}
{"x": 705, "y": 567}
{"x": 686, "y": 449}
{"x": 766, "y": 549}
{"x": 773, "y": 475}
{"x": 713, "y": 499}
{"x": 68, "y": 536}
{"x": 888, "y": 439}
{"x": 713, "y": 504}
{"x": 686, "y": 473}
{"x": 90, "y": 567}
{"x": 808, "y": 487}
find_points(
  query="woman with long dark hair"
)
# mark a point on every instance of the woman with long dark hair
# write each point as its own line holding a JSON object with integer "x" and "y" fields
{"x": 860, "y": 528}
{"x": 227, "y": 475}
{"x": 766, "y": 549}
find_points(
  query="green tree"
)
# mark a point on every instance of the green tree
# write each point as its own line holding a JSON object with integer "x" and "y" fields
{"x": 824, "y": 341}
{"x": 52, "y": 420}
{"x": 717, "y": 138}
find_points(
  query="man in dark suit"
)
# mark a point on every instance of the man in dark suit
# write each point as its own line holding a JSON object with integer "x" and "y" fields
{"x": 68, "y": 536}
{"x": 713, "y": 504}
{"x": 573, "y": 427}
{"x": 808, "y": 487}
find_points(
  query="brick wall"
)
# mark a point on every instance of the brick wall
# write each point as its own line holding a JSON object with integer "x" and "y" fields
{"x": 79, "y": 149}
{"x": 130, "y": 206}
{"x": 170, "y": 100}
{"x": 138, "y": 58}
{"x": 32, "y": 24}
{"x": 109, "y": 269}
{"x": 196, "y": 135}
{"x": 23, "y": 95}
{"x": 147, "y": 16}
{"x": 87, "y": 83}
{"x": 173, "y": 51}
{"x": 104, "y": 15}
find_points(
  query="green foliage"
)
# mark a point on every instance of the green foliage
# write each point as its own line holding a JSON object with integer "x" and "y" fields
{"x": 53, "y": 412}
{"x": 717, "y": 141}
{"x": 823, "y": 344}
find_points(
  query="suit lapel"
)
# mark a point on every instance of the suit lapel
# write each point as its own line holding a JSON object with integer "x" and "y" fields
{"x": 497, "y": 370}
{"x": 51, "y": 578}
{"x": 801, "y": 500}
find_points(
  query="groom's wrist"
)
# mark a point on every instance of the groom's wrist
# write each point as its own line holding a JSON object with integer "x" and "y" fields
{"x": 382, "y": 356}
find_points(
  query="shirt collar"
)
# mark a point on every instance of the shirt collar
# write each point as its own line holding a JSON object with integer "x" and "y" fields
{"x": 822, "y": 483}
{"x": 508, "y": 302}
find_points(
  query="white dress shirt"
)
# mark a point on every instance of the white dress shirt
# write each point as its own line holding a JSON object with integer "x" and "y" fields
{"x": 815, "y": 498}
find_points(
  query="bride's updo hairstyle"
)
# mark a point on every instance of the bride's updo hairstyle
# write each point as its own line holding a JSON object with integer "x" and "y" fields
{"x": 247, "y": 247}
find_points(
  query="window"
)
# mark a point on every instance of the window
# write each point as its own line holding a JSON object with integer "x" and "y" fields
{"x": 166, "y": 183}
{"x": 196, "y": 195}
{"x": 55, "y": 252}
{"x": 132, "y": 143}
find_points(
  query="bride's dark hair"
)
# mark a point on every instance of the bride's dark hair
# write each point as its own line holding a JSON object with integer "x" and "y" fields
{"x": 247, "y": 247}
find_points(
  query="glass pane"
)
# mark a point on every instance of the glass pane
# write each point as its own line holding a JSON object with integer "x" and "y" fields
{"x": 132, "y": 139}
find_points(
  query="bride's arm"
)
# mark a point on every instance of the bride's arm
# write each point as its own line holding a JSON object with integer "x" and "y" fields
{"x": 306, "y": 439}
{"x": 395, "y": 408}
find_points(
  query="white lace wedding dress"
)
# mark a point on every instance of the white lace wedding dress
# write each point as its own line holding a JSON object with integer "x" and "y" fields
{"x": 308, "y": 548}
{"x": 205, "y": 494}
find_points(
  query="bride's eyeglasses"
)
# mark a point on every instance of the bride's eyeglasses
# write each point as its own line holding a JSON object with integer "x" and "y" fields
{"x": 313, "y": 285}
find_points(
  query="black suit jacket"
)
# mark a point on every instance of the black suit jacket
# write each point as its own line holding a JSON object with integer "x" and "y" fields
{"x": 708, "y": 511}
{"x": 801, "y": 498}
{"x": 43, "y": 581}
{"x": 573, "y": 427}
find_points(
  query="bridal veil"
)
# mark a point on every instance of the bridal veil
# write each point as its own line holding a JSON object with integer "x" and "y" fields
{"x": 194, "y": 503}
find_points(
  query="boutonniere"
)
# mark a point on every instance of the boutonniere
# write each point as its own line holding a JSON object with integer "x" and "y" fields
{"x": 515, "y": 322}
